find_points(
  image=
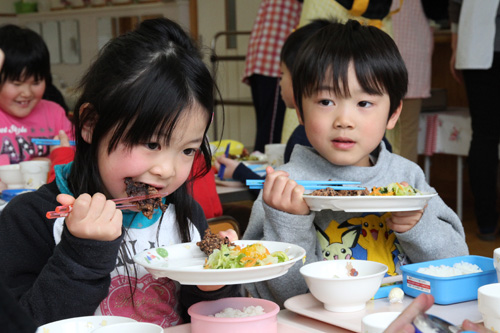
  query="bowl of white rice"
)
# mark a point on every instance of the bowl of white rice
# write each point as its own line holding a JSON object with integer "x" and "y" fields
{"x": 451, "y": 280}
{"x": 241, "y": 314}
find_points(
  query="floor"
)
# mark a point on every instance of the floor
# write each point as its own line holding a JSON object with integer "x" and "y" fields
{"x": 443, "y": 179}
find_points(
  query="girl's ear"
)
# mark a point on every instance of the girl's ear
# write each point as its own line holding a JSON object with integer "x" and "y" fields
{"x": 88, "y": 126}
{"x": 394, "y": 117}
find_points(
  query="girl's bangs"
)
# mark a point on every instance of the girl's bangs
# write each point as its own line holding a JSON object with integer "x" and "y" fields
{"x": 149, "y": 114}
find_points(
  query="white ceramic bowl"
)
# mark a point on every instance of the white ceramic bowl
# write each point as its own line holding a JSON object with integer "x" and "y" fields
{"x": 488, "y": 299}
{"x": 82, "y": 324}
{"x": 11, "y": 175}
{"x": 130, "y": 328}
{"x": 202, "y": 320}
{"x": 496, "y": 262}
{"x": 377, "y": 322}
{"x": 34, "y": 173}
{"x": 329, "y": 282}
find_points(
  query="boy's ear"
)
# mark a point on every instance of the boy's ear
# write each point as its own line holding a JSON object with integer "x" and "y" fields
{"x": 88, "y": 126}
{"x": 394, "y": 117}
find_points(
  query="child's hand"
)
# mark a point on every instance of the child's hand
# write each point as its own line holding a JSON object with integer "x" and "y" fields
{"x": 404, "y": 221}
{"x": 283, "y": 193}
{"x": 230, "y": 234}
{"x": 230, "y": 164}
{"x": 92, "y": 217}
{"x": 63, "y": 137}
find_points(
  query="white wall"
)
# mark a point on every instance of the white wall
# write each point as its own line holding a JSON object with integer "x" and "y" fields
{"x": 239, "y": 120}
{"x": 7, "y": 6}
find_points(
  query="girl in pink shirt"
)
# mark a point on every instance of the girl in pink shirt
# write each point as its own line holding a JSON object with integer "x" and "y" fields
{"x": 24, "y": 115}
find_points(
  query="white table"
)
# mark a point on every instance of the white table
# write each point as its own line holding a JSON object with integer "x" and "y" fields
{"x": 310, "y": 316}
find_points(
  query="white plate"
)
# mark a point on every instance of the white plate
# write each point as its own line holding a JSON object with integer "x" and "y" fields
{"x": 82, "y": 324}
{"x": 369, "y": 203}
{"x": 184, "y": 263}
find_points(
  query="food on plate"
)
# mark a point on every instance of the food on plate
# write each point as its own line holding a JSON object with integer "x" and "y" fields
{"x": 330, "y": 192}
{"x": 395, "y": 189}
{"x": 146, "y": 206}
{"x": 248, "y": 311}
{"x": 211, "y": 242}
{"x": 246, "y": 156}
{"x": 350, "y": 271}
{"x": 459, "y": 268}
{"x": 229, "y": 256}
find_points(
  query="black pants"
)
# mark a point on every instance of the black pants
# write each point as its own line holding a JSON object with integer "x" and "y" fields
{"x": 269, "y": 110}
{"x": 483, "y": 90}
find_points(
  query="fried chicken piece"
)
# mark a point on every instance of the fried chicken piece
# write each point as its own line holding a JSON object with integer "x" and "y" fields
{"x": 210, "y": 242}
{"x": 147, "y": 206}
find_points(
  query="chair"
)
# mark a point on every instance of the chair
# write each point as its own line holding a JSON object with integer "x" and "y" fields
{"x": 222, "y": 223}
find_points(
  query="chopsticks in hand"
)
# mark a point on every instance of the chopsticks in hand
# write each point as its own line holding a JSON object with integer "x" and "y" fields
{"x": 223, "y": 166}
{"x": 257, "y": 184}
{"x": 49, "y": 142}
{"x": 63, "y": 211}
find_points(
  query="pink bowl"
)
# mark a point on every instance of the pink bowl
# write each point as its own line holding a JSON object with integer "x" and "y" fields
{"x": 201, "y": 322}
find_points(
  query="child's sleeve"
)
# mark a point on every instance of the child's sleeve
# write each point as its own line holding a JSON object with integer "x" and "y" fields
{"x": 269, "y": 224}
{"x": 61, "y": 155}
{"x": 439, "y": 233}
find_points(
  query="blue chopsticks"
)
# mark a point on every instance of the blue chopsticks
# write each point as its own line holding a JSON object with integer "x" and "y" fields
{"x": 223, "y": 166}
{"x": 256, "y": 184}
{"x": 49, "y": 142}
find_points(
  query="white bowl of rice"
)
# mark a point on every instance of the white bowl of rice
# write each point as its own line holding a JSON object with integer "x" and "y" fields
{"x": 241, "y": 314}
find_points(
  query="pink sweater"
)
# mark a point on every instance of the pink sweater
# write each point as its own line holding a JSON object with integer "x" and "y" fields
{"x": 44, "y": 121}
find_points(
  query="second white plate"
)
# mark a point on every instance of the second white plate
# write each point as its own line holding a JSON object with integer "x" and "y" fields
{"x": 369, "y": 203}
{"x": 184, "y": 263}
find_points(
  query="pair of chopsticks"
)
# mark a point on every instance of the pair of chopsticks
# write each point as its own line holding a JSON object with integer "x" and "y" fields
{"x": 49, "y": 142}
{"x": 223, "y": 166}
{"x": 257, "y": 184}
{"x": 63, "y": 211}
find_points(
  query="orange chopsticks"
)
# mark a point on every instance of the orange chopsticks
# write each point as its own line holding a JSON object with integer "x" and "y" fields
{"x": 63, "y": 211}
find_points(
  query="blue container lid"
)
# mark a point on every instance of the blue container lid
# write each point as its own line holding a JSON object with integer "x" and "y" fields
{"x": 9, "y": 194}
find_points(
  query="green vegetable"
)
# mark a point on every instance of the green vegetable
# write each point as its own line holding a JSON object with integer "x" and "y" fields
{"x": 250, "y": 256}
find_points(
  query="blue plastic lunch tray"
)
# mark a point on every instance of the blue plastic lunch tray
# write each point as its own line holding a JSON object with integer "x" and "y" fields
{"x": 449, "y": 290}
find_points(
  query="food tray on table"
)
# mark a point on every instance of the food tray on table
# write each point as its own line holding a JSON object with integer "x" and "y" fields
{"x": 184, "y": 263}
{"x": 453, "y": 289}
{"x": 369, "y": 203}
{"x": 307, "y": 305}
{"x": 282, "y": 328}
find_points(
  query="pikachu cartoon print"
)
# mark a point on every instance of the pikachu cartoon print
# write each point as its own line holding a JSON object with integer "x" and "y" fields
{"x": 338, "y": 250}
{"x": 363, "y": 237}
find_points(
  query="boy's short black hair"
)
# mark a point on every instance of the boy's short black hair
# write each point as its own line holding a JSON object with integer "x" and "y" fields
{"x": 26, "y": 55}
{"x": 297, "y": 38}
{"x": 378, "y": 64}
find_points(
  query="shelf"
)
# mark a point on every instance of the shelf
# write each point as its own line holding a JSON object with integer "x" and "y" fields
{"x": 113, "y": 10}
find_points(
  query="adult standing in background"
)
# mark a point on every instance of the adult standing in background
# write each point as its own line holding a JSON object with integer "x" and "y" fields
{"x": 414, "y": 38}
{"x": 275, "y": 20}
{"x": 475, "y": 46}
